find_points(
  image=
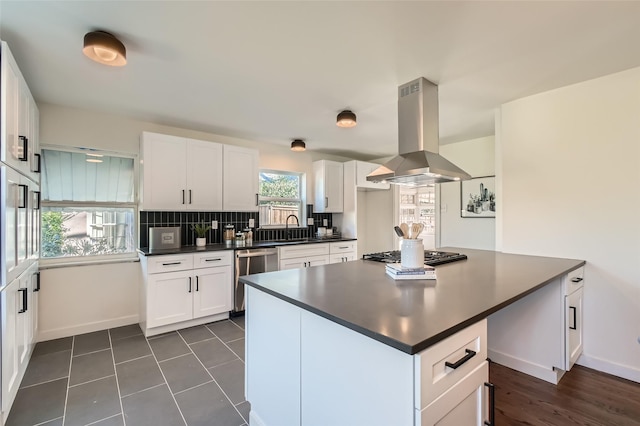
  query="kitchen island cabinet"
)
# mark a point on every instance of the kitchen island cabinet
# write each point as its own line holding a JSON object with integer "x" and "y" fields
{"x": 385, "y": 342}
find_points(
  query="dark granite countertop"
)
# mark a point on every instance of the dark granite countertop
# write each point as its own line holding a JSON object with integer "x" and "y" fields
{"x": 412, "y": 315}
{"x": 256, "y": 244}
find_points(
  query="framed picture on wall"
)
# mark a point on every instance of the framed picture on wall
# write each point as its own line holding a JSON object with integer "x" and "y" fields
{"x": 478, "y": 197}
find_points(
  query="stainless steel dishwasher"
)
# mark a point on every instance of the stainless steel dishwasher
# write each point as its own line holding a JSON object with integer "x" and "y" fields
{"x": 251, "y": 261}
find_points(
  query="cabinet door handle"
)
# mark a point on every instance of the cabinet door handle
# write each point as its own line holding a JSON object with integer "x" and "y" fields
{"x": 492, "y": 404}
{"x": 326, "y": 202}
{"x": 22, "y": 202}
{"x": 217, "y": 259}
{"x": 189, "y": 284}
{"x": 37, "y": 205}
{"x": 24, "y": 300}
{"x": 183, "y": 196}
{"x": 189, "y": 196}
{"x": 470, "y": 354}
{"x": 171, "y": 263}
{"x": 257, "y": 199}
{"x": 38, "y": 162}
{"x": 197, "y": 283}
{"x": 574, "y": 318}
{"x": 25, "y": 148}
{"x": 305, "y": 264}
{"x": 37, "y": 282}
{"x": 576, "y": 279}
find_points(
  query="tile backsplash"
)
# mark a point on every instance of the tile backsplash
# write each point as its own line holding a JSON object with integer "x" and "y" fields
{"x": 150, "y": 219}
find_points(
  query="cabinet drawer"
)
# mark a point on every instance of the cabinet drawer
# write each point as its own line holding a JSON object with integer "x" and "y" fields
{"x": 169, "y": 263}
{"x": 342, "y": 257}
{"x": 434, "y": 377}
{"x": 304, "y": 250}
{"x": 213, "y": 258}
{"x": 342, "y": 247}
{"x": 573, "y": 280}
{"x": 463, "y": 404}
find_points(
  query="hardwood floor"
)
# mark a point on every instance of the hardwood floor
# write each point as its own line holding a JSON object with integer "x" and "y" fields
{"x": 583, "y": 397}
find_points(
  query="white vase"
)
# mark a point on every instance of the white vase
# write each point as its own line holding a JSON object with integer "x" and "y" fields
{"x": 201, "y": 242}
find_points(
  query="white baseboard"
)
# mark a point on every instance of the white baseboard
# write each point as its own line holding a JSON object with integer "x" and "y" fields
{"x": 527, "y": 367}
{"x": 619, "y": 370}
{"x": 57, "y": 333}
{"x": 149, "y": 332}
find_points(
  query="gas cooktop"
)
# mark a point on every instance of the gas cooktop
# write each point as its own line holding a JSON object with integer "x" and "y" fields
{"x": 431, "y": 257}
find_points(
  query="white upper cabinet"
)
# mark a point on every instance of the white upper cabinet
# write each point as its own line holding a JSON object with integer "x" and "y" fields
{"x": 329, "y": 186}
{"x": 204, "y": 175}
{"x": 362, "y": 169}
{"x": 18, "y": 119}
{"x": 240, "y": 190}
{"x": 180, "y": 174}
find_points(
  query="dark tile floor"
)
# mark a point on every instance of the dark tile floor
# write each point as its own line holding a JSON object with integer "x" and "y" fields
{"x": 114, "y": 377}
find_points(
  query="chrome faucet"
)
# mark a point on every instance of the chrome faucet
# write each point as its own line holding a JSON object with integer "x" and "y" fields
{"x": 286, "y": 225}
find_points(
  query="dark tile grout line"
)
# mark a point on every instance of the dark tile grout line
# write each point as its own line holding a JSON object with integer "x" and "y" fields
{"x": 115, "y": 372}
{"x": 66, "y": 397}
{"x": 211, "y": 375}
{"x": 166, "y": 382}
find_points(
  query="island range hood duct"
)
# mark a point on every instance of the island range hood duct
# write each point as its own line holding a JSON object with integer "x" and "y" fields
{"x": 418, "y": 162}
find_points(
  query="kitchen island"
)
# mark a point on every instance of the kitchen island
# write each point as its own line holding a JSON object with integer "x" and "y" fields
{"x": 346, "y": 344}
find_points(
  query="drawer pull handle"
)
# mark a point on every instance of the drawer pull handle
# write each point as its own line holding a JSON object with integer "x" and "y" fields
{"x": 470, "y": 354}
{"x": 213, "y": 260}
{"x": 574, "y": 318}
{"x": 171, "y": 263}
{"x": 492, "y": 404}
{"x": 576, "y": 279}
{"x": 343, "y": 247}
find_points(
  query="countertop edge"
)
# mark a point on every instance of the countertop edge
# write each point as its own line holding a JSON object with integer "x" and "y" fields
{"x": 145, "y": 251}
{"x": 406, "y": 348}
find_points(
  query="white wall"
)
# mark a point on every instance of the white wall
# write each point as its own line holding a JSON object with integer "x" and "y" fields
{"x": 93, "y": 297}
{"x": 476, "y": 157}
{"x": 570, "y": 161}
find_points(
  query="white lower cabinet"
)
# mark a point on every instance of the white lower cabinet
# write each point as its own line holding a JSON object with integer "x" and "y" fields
{"x": 552, "y": 318}
{"x": 343, "y": 251}
{"x": 315, "y": 254}
{"x": 463, "y": 404}
{"x": 178, "y": 291}
{"x": 303, "y": 255}
{"x": 19, "y": 325}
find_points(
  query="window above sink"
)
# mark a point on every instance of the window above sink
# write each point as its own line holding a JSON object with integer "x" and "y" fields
{"x": 281, "y": 194}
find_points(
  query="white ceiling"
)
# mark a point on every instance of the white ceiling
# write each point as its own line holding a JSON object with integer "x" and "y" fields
{"x": 275, "y": 71}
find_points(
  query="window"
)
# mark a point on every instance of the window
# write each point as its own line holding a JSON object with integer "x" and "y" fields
{"x": 280, "y": 196}
{"x": 419, "y": 205}
{"x": 88, "y": 203}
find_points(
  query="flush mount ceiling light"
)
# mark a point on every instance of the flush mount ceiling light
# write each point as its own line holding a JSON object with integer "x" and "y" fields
{"x": 346, "y": 118}
{"x": 104, "y": 48}
{"x": 298, "y": 145}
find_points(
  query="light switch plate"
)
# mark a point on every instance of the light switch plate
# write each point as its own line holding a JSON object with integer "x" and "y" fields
{"x": 309, "y": 221}
{"x": 325, "y": 222}
{"x": 214, "y": 224}
{"x": 252, "y": 223}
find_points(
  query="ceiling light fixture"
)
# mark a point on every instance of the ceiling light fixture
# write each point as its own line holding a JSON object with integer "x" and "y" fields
{"x": 346, "y": 118}
{"x": 298, "y": 145}
{"x": 104, "y": 48}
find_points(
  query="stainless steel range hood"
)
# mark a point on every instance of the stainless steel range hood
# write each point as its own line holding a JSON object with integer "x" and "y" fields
{"x": 418, "y": 162}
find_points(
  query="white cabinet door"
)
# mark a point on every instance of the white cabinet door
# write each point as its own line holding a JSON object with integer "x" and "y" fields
{"x": 13, "y": 146}
{"x": 240, "y": 179}
{"x": 362, "y": 170}
{"x": 329, "y": 186}
{"x": 34, "y": 289}
{"x": 342, "y": 257}
{"x": 169, "y": 298}
{"x": 573, "y": 307}
{"x": 10, "y": 181}
{"x": 164, "y": 172}
{"x": 204, "y": 175}
{"x": 34, "y": 142}
{"x": 11, "y": 298}
{"x": 297, "y": 263}
{"x": 212, "y": 291}
{"x": 462, "y": 404}
{"x": 33, "y": 237}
